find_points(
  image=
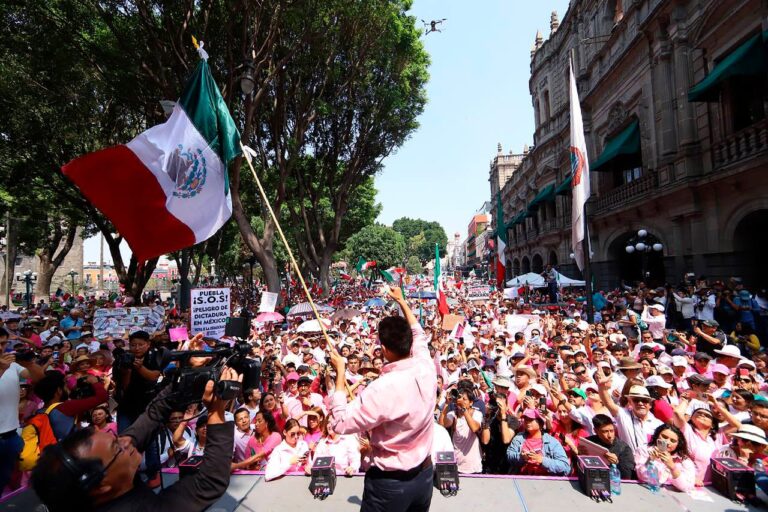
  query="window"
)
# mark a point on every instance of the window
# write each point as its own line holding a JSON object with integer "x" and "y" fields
{"x": 746, "y": 99}
{"x": 629, "y": 175}
{"x": 545, "y": 112}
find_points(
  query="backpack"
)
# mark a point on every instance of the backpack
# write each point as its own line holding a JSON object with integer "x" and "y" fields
{"x": 36, "y": 434}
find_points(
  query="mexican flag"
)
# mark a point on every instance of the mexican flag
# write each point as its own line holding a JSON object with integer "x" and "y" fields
{"x": 168, "y": 188}
{"x": 363, "y": 264}
{"x": 393, "y": 274}
{"x": 442, "y": 303}
{"x": 345, "y": 276}
{"x": 501, "y": 245}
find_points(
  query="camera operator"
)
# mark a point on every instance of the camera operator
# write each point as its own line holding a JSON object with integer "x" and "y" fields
{"x": 96, "y": 471}
{"x": 136, "y": 372}
{"x": 498, "y": 429}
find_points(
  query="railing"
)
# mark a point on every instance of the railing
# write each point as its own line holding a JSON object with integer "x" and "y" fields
{"x": 743, "y": 144}
{"x": 627, "y": 193}
{"x": 550, "y": 225}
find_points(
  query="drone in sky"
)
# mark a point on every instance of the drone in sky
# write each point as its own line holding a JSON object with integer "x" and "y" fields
{"x": 432, "y": 26}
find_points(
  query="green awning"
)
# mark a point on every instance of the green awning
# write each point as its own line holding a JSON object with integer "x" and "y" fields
{"x": 751, "y": 58}
{"x": 564, "y": 188}
{"x": 546, "y": 194}
{"x": 517, "y": 219}
{"x": 624, "y": 146}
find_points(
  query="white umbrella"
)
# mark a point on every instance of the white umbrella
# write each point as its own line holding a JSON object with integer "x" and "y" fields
{"x": 304, "y": 308}
{"x": 313, "y": 326}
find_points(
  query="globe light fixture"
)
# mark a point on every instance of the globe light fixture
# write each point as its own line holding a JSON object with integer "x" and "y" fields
{"x": 630, "y": 249}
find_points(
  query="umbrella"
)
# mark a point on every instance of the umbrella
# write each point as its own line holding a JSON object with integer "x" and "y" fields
{"x": 304, "y": 308}
{"x": 313, "y": 326}
{"x": 345, "y": 314}
{"x": 272, "y": 316}
{"x": 375, "y": 303}
{"x": 423, "y": 295}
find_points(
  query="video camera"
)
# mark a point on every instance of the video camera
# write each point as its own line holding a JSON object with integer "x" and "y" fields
{"x": 188, "y": 383}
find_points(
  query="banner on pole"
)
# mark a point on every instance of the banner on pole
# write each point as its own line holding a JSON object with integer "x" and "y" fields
{"x": 477, "y": 292}
{"x": 268, "y": 302}
{"x": 117, "y": 322}
{"x": 210, "y": 308}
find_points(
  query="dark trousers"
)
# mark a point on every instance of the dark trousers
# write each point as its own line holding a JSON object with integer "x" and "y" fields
{"x": 552, "y": 289}
{"x": 382, "y": 494}
{"x": 10, "y": 449}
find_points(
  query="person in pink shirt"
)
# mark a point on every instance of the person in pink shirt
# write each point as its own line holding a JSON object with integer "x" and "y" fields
{"x": 397, "y": 409}
{"x": 102, "y": 421}
{"x": 264, "y": 440}
{"x": 668, "y": 452}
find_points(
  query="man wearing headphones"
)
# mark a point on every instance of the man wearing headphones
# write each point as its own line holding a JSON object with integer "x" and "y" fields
{"x": 96, "y": 471}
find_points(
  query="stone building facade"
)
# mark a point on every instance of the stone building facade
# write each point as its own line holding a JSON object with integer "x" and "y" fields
{"x": 674, "y": 95}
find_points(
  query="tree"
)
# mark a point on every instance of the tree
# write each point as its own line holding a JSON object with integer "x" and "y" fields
{"x": 422, "y": 236}
{"x": 413, "y": 265}
{"x": 379, "y": 243}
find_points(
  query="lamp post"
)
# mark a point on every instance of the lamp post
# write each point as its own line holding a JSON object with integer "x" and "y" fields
{"x": 643, "y": 243}
{"x": 72, "y": 275}
{"x": 28, "y": 277}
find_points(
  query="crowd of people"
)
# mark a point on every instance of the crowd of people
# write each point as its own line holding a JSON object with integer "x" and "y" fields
{"x": 660, "y": 381}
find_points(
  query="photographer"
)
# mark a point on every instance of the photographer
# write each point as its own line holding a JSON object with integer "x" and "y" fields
{"x": 87, "y": 394}
{"x": 136, "y": 373}
{"x": 466, "y": 421}
{"x": 498, "y": 429}
{"x": 96, "y": 471}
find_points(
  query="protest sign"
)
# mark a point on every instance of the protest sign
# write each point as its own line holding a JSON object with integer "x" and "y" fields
{"x": 511, "y": 293}
{"x": 519, "y": 323}
{"x": 478, "y": 292}
{"x": 450, "y": 321}
{"x": 210, "y": 308}
{"x": 117, "y": 322}
{"x": 178, "y": 334}
{"x": 268, "y": 302}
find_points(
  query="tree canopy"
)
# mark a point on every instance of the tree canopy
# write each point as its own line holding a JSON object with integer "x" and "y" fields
{"x": 379, "y": 243}
{"x": 421, "y": 237}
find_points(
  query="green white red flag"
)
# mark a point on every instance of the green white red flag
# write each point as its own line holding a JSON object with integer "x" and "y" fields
{"x": 442, "y": 302}
{"x": 168, "y": 188}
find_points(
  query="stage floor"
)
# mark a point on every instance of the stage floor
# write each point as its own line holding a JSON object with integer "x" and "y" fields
{"x": 250, "y": 493}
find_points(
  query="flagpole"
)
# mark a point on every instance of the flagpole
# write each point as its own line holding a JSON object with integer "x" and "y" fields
{"x": 585, "y": 245}
{"x": 287, "y": 247}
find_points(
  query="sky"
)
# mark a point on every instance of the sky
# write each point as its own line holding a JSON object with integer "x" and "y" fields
{"x": 477, "y": 97}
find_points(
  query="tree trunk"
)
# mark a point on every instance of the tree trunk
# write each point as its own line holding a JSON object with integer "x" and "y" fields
{"x": 45, "y": 271}
{"x": 11, "y": 249}
{"x": 325, "y": 277}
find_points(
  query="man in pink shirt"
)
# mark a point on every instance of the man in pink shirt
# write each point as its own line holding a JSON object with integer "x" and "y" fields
{"x": 397, "y": 411}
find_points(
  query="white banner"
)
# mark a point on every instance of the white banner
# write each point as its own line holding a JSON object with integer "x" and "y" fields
{"x": 117, "y": 322}
{"x": 478, "y": 292}
{"x": 268, "y": 302}
{"x": 210, "y": 308}
{"x": 520, "y": 323}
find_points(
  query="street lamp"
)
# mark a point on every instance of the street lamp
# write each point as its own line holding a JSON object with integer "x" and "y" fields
{"x": 28, "y": 277}
{"x": 72, "y": 275}
{"x": 247, "y": 82}
{"x": 643, "y": 243}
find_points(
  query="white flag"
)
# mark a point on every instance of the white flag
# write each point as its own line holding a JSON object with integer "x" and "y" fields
{"x": 579, "y": 175}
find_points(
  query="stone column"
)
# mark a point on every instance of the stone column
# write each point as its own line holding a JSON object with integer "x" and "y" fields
{"x": 678, "y": 33}
{"x": 663, "y": 93}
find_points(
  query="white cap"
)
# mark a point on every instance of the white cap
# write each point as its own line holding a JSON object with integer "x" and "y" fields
{"x": 679, "y": 361}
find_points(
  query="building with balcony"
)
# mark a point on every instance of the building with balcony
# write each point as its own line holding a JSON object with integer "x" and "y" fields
{"x": 674, "y": 96}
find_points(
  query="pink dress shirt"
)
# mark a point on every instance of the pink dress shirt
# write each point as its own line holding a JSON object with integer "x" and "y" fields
{"x": 397, "y": 409}
{"x": 344, "y": 449}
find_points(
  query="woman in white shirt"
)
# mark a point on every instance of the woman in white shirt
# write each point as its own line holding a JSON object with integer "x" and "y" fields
{"x": 291, "y": 455}
{"x": 344, "y": 448}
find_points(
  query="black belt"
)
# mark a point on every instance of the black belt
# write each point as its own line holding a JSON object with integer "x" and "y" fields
{"x": 400, "y": 474}
{"x": 8, "y": 435}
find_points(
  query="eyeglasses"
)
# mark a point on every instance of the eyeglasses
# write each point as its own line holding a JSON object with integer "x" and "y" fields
{"x": 114, "y": 457}
{"x": 291, "y": 434}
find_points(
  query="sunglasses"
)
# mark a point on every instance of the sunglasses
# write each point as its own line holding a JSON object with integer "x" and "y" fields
{"x": 641, "y": 401}
{"x": 292, "y": 434}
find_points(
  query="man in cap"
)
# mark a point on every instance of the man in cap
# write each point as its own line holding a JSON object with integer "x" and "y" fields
{"x": 709, "y": 337}
{"x": 304, "y": 401}
{"x": 636, "y": 424}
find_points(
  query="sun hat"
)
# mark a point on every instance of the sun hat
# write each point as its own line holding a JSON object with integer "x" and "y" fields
{"x": 751, "y": 433}
{"x": 627, "y": 363}
{"x": 656, "y": 381}
{"x": 502, "y": 382}
{"x": 527, "y": 370}
{"x": 639, "y": 392}
{"x": 729, "y": 351}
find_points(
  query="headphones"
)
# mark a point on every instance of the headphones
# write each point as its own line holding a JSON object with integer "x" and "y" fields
{"x": 88, "y": 473}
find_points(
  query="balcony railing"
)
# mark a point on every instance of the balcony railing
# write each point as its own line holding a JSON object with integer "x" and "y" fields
{"x": 627, "y": 193}
{"x": 550, "y": 225}
{"x": 743, "y": 144}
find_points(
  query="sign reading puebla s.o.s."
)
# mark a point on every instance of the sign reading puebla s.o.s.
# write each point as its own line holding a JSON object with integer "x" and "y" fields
{"x": 210, "y": 308}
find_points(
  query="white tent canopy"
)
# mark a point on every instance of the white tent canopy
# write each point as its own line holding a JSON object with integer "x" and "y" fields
{"x": 535, "y": 280}
{"x": 529, "y": 279}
